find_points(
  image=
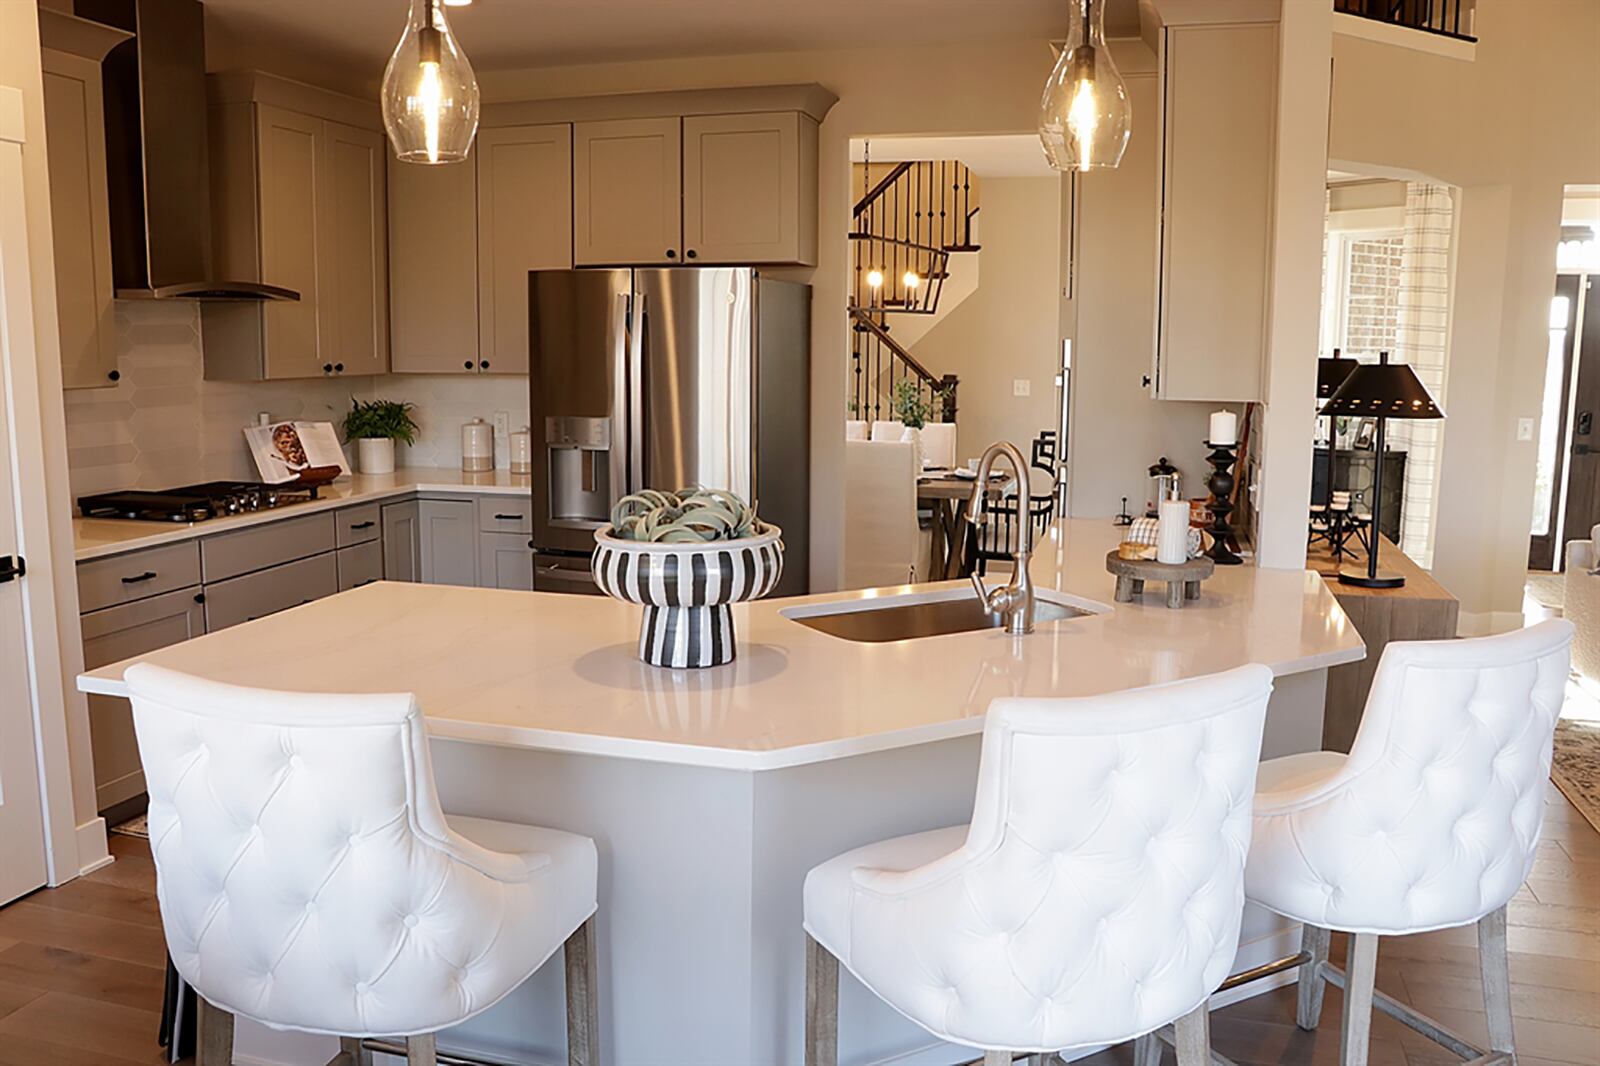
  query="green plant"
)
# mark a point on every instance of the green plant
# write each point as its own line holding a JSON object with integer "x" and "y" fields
{"x": 687, "y": 516}
{"x": 381, "y": 418}
{"x": 911, "y": 406}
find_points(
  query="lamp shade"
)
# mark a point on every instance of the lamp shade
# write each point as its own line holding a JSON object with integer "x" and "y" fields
{"x": 1331, "y": 373}
{"x": 1383, "y": 390}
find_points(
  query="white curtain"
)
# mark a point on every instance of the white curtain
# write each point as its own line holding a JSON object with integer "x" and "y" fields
{"x": 1424, "y": 315}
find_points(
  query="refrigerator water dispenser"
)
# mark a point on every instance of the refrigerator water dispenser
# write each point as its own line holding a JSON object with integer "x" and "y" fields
{"x": 580, "y": 469}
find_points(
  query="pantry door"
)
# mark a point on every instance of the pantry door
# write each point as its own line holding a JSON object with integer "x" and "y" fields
{"x": 22, "y": 842}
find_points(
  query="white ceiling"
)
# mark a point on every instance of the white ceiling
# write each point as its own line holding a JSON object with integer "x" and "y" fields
{"x": 512, "y": 34}
{"x": 1006, "y": 156}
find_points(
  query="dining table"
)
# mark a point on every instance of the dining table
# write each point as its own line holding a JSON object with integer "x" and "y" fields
{"x": 945, "y": 493}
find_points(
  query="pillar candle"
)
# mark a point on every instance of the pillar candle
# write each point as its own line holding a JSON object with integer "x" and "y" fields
{"x": 1172, "y": 532}
{"x": 1224, "y": 428}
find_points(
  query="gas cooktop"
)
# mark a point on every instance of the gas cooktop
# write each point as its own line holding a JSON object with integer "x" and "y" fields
{"x": 194, "y": 503}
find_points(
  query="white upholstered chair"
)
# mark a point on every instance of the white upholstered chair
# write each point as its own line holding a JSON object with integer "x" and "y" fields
{"x": 856, "y": 429}
{"x": 939, "y": 444}
{"x": 1430, "y": 822}
{"x": 882, "y": 542}
{"x": 1095, "y": 897}
{"x": 309, "y": 880}
{"x": 887, "y": 429}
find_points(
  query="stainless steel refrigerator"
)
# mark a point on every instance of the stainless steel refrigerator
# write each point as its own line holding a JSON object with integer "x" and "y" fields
{"x": 663, "y": 379}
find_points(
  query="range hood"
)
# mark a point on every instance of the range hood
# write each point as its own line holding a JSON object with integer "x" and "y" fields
{"x": 159, "y": 180}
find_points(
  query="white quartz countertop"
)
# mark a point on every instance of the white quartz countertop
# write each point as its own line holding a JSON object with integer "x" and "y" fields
{"x": 560, "y": 672}
{"x": 97, "y": 537}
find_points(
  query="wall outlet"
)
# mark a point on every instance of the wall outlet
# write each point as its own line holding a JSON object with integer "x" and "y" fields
{"x": 502, "y": 424}
{"x": 1524, "y": 429}
{"x": 1021, "y": 387}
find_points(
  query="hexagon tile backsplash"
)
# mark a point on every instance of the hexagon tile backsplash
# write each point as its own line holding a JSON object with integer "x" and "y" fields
{"x": 164, "y": 425}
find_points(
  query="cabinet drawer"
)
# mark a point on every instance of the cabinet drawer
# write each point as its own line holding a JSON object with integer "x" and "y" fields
{"x": 361, "y": 564}
{"x": 505, "y": 514}
{"x": 244, "y": 599}
{"x": 269, "y": 544}
{"x": 357, "y": 525}
{"x": 137, "y": 575}
{"x": 505, "y": 561}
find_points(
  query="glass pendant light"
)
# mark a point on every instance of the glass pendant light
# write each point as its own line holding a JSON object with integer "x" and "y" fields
{"x": 1085, "y": 116}
{"x": 430, "y": 96}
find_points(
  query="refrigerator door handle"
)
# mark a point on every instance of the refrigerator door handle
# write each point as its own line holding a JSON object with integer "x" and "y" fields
{"x": 639, "y": 323}
{"x": 621, "y": 431}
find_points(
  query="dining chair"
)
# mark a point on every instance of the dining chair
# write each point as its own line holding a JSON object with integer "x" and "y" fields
{"x": 881, "y": 536}
{"x": 308, "y": 878}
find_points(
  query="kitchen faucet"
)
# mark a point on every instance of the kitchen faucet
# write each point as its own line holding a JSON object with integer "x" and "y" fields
{"x": 1014, "y": 601}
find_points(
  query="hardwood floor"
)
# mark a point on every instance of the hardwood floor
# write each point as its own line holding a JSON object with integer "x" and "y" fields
{"x": 81, "y": 976}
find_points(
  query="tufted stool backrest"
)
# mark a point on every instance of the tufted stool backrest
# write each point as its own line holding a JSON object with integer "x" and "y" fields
{"x": 1435, "y": 816}
{"x": 305, "y": 872}
{"x": 1099, "y": 891}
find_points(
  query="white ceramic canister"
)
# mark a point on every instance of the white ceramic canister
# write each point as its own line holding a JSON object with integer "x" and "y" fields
{"x": 477, "y": 447}
{"x": 522, "y": 451}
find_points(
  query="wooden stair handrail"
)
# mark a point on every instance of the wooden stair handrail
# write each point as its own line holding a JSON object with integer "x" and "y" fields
{"x": 879, "y": 189}
{"x": 877, "y": 330}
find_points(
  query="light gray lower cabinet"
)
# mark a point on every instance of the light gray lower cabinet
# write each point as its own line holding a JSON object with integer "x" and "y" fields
{"x": 361, "y": 564}
{"x": 121, "y": 632}
{"x": 402, "y": 542}
{"x": 449, "y": 537}
{"x": 505, "y": 561}
{"x": 277, "y": 588}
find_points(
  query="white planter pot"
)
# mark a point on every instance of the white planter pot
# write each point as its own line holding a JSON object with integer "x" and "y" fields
{"x": 375, "y": 455}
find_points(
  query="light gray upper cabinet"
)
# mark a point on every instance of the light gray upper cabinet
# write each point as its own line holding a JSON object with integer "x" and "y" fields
{"x": 750, "y": 188}
{"x": 433, "y": 266}
{"x": 627, "y": 191}
{"x": 298, "y": 201}
{"x": 402, "y": 542}
{"x": 1217, "y": 146}
{"x": 117, "y": 633}
{"x": 449, "y": 542}
{"x": 80, "y": 213}
{"x": 524, "y": 223}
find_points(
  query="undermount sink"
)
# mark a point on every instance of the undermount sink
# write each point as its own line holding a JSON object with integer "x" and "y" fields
{"x": 916, "y": 615}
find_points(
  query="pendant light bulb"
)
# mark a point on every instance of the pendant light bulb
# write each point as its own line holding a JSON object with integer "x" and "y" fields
{"x": 875, "y": 278}
{"x": 911, "y": 280}
{"x": 1085, "y": 116}
{"x": 430, "y": 96}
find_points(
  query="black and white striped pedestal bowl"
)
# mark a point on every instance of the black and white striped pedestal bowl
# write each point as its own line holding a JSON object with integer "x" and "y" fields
{"x": 685, "y": 590}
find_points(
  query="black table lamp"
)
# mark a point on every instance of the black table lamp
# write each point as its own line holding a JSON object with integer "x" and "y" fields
{"x": 1380, "y": 391}
{"x": 1330, "y": 375}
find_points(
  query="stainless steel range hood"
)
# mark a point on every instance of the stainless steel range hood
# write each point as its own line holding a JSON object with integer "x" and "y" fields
{"x": 159, "y": 181}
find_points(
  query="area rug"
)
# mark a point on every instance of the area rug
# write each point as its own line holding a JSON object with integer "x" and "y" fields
{"x": 139, "y": 827}
{"x": 1546, "y": 589}
{"x": 1575, "y": 767}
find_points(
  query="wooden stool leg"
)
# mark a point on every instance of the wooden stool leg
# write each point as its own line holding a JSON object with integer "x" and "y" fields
{"x": 351, "y": 1053}
{"x": 1191, "y": 590}
{"x": 1361, "y": 974}
{"x": 822, "y": 1006}
{"x": 216, "y": 1035}
{"x": 1308, "y": 1000}
{"x": 997, "y": 1058}
{"x": 1147, "y": 1050}
{"x": 1124, "y": 592}
{"x": 1495, "y": 965}
{"x": 1175, "y": 594}
{"x": 583, "y": 997}
{"x": 1193, "y": 1032}
{"x": 1138, "y": 586}
{"x": 422, "y": 1050}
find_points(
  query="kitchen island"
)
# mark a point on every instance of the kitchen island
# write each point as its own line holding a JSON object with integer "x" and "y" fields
{"x": 711, "y": 793}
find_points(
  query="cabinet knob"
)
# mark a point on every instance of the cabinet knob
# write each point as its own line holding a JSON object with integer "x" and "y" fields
{"x": 327, "y": 368}
{"x": 467, "y": 364}
{"x": 199, "y": 597}
{"x": 692, "y": 254}
{"x": 338, "y": 368}
{"x": 672, "y": 253}
{"x": 483, "y": 365}
{"x": 1146, "y": 381}
{"x": 115, "y": 375}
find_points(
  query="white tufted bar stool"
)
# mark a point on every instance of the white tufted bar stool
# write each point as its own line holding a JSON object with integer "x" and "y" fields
{"x": 1430, "y": 822}
{"x": 1095, "y": 897}
{"x": 309, "y": 880}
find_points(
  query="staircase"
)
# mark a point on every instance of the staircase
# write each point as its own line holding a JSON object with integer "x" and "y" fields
{"x": 904, "y": 230}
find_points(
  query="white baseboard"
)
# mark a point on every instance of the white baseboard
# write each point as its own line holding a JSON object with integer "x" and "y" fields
{"x": 93, "y": 851}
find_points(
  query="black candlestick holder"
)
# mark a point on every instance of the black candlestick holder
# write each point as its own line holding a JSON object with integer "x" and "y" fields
{"x": 1222, "y": 458}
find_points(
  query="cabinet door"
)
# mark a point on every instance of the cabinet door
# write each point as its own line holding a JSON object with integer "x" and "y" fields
{"x": 1218, "y": 137}
{"x": 433, "y": 266}
{"x": 352, "y": 253}
{"x": 524, "y": 223}
{"x": 118, "y": 633}
{"x": 244, "y": 599}
{"x": 627, "y": 197}
{"x": 402, "y": 542}
{"x": 505, "y": 561}
{"x": 290, "y": 147}
{"x": 80, "y": 216}
{"x": 449, "y": 542}
{"x": 750, "y": 188}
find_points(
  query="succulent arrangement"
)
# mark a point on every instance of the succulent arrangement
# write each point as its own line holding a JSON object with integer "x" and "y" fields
{"x": 691, "y": 515}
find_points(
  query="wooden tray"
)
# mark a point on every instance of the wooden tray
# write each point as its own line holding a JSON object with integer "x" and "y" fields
{"x": 1183, "y": 579}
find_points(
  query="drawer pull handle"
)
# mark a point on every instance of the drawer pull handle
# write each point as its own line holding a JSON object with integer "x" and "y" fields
{"x": 148, "y": 575}
{"x": 363, "y": 525}
{"x": 368, "y": 581}
{"x": 509, "y": 517}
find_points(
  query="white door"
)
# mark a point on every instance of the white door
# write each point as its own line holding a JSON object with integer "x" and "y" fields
{"x": 22, "y": 846}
